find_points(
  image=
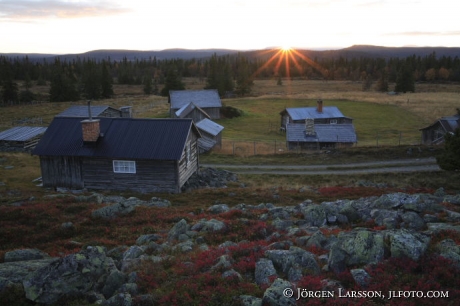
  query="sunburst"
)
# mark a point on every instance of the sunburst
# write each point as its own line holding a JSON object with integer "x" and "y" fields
{"x": 288, "y": 54}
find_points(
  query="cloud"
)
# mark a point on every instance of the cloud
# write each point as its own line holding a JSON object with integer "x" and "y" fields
{"x": 29, "y": 10}
{"x": 421, "y": 33}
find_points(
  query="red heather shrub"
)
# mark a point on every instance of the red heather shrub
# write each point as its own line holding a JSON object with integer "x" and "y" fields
{"x": 349, "y": 192}
{"x": 429, "y": 273}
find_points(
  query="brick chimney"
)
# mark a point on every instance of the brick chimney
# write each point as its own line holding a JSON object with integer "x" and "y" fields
{"x": 319, "y": 109}
{"x": 91, "y": 129}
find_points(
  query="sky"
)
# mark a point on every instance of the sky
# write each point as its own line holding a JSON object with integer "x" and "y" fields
{"x": 75, "y": 26}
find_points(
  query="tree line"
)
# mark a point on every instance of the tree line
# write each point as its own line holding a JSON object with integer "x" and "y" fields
{"x": 84, "y": 78}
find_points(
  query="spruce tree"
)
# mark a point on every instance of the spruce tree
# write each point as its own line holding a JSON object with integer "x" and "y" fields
{"x": 405, "y": 80}
{"x": 106, "y": 82}
{"x": 450, "y": 157}
{"x": 173, "y": 81}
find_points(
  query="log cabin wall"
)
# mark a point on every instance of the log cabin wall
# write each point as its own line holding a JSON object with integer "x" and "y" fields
{"x": 61, "y": 171}
{"x": 150, "y": 176}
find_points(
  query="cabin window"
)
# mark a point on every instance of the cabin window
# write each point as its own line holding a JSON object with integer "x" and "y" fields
{"x": 333, "y": 121}
{"x": 124, "y": 166}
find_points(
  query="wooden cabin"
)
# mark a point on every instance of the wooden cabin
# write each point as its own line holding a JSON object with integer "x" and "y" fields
{"x": 143, "y": 155}
{"x": 21, "y": 138}
{"x": 434, "y": 133}
{"x": 207, "y": 99}
{"x": 320, "y": 114}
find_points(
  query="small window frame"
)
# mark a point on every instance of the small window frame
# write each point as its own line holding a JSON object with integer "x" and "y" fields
{"x": 333, "y": 121}
{"x": 124, "y": 166}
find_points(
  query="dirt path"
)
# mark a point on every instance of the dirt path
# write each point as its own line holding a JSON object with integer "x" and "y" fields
{"x": 409, "y": 165}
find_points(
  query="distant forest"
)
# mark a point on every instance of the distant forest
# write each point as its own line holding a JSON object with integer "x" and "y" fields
{"x": 233, "y": 74}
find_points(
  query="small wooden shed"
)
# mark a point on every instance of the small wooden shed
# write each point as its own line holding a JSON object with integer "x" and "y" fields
{"x": 211, "y": 135}
{"x": 434, "y": 133}
{"x": 21, "y": 138}
{"x": 207, "y": 99}
{"x": 143, "y": 155}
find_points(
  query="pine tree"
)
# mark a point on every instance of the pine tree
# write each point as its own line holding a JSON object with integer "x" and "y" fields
{"x": 405, "y": 80}
{"x": 450, "y": 157}
{"x": 147, "y": 85}
{"x": 9, "y": 93}
{"x": 382, "y": 82}
{"x": 244, "y": 80}
{"x": 62, "y": 88}
{"x": 106, "y": 82}
{"x": 173, "y": 81}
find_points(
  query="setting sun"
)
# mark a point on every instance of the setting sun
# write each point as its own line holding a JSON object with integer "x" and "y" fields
{"x": 286, "y": 49}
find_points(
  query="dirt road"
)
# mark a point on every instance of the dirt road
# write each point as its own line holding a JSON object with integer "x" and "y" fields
{"x": 408, "y": 165}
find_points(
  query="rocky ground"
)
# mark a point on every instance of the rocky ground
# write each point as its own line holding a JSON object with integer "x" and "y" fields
{"x": 403, "y": 226}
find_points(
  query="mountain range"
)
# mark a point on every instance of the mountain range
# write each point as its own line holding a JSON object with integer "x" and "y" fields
{"x": 355, "y": 51}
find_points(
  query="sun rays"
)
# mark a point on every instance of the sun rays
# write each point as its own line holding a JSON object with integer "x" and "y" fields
{"x": 290, "y": 57}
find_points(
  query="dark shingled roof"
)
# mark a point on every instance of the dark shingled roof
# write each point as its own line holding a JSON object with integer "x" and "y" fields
{"x": 201, "y": 98}
{"x": 344, "y": 133}
{"x": 124, "y": 138}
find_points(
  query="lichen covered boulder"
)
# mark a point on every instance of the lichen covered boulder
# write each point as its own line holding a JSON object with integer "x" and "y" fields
{"x": 71, "y": 276}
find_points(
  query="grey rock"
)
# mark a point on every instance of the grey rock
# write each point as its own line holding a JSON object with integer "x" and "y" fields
{"x": 25, "y": 254}
{"x": 112, "y": 211}
{"x": 146, "y": 239}
{"x": 178, "y": 229}
{"x": 17, "y": 271}
{"x": 113, "y": 282}
{"x": 223, "y": 263}
{"x": 73, "y": 275}
{"x": 452, "y": 216}
{"x": 450, "y": 250}
{"x": 121, "y": 299}
{"x": 453, "y": 199}
{"x": 133, "y": 252}
{"x": 361, "y": 277}
{"x": 274, "y": 296}
{"x": 218, "y": 208}
{"x": 248, "y": 300}
{"x": 232, "y": 274}
{"x": 158, "y": 202}
{"x": 264, "y": 270}
{"x": 93, "y": 198}
{"x": 184, "y": 247}
{"x": 68, "y": 226}
{"x": 385, "y": 217}
{"x": 212, "y": 225}
{"x": 315, "y": 215}
{"x": 295, "y": 257}
{"x": 405, "y": 243}
{"x": 412, "y": 220}
{"x": 358, "y": 247}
